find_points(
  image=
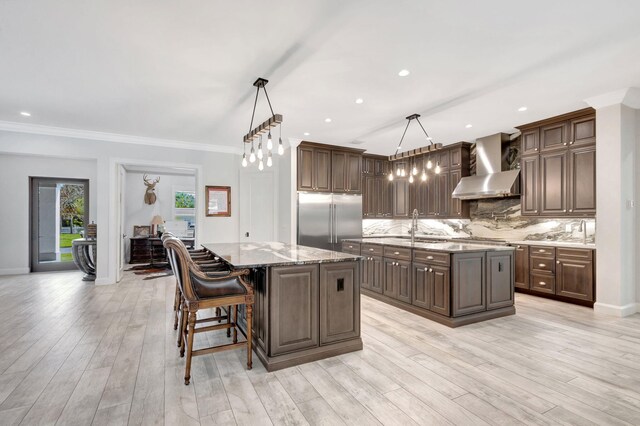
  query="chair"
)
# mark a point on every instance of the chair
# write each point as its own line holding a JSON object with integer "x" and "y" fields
{"x": 203, "y": 291}
{"x": 205, "y": 261}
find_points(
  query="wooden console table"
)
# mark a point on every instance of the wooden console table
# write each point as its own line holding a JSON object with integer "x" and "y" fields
{"x": 151, "y": 250}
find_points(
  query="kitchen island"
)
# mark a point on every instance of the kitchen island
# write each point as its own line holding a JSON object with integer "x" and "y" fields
{"x": 448, "y": 282}
{"x": 307, "y": 300}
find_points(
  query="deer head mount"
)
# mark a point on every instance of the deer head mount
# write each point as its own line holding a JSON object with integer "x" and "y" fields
{"x": 150, "y": 195}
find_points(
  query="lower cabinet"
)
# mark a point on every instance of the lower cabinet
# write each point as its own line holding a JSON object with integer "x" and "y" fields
{"x": 469, "y": 285}
{"x": 397, "y": 279}
{"x": 295, "y": 297}
{"x": 371, "y": 273}
{"x": 499, "y": 280}
{"x": 339, "y": 302}
{"x": 313, "y": 305}
{"x": 440, "y": 300}
{"x": 561, "y": 271}
{"x": 421, "y": 285}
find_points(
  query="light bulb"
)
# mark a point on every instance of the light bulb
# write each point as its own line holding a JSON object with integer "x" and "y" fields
{"x": 414, "y": 171}
{"x": 424, "y": 176}
{"x": 260, "y": 155}
{"x": 398, "y": 171}
{"x": 280, "y": 147}
{"x": 269, "y": 142}
{"x": 252, "y": 156}
{"x": 411, "y": 179}
{"x": 429, "y": 164}
{"x": 438, "y": 168}
{"x": 244, "y": 160}
{"x": 261, "y": 166}
{"x": 390, "y": 176}
{"x": 269, "y": 160}
{"x": 403, "y": 173}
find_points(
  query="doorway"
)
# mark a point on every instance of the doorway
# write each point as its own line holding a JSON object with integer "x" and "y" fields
{"x": 59, "y": 210}
{"x": 257, "y": 218}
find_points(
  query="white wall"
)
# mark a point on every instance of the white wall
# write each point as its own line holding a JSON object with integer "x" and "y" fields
{"x": 213, "y": 168}
{"x": 15, "y": 171}
{"x": 637, "y": 203}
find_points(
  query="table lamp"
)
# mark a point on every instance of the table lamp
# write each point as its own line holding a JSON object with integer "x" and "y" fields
{"x": 157, "y": 220}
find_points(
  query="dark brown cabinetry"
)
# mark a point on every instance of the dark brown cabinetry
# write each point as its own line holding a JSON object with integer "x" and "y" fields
{"x": 371, "y": 267}
{"x": 574, "y": 273}
{"x": 559, "y": 166}
{"x": 563, "y": 273}
{"x": 294, "y": 294}
{"x": 397, "y": 279}
{"x": 499, "y": 280}
{"x": 339, "y": 302}
{"x": 326, "y": 168}
{"x": 521, "y": 278}
{"x": 469, "y": 284}
{"x": 376, "y": 188}
{"x": 314, "y": 169}
{"x": 401, "y": 198}
{"x": 150, "y": 249}
{"x": 440, "y": 290}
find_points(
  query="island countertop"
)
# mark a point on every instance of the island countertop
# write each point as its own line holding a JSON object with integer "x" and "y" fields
{"x": 251, "y": 255}
{"x": 449, "y": 247}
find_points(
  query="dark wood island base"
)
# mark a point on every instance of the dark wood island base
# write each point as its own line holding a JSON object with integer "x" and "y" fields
{"x": 306, "y": 301}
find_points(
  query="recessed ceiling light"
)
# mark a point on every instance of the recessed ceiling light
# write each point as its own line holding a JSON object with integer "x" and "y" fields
{"x": 468, "y": 126}
{"x": 359, "y": 100}
{"x": 306, "y": 133}
{"x": 404, "y": 73}
{"x": 522, "y": 108}
{"x": 25, "y": 114}
{"x": 327, "y": 120}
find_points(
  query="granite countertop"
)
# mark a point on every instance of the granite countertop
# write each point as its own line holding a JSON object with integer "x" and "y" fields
{"x": 548, "y": 243}
{"x": 250, "y": 255}
{"x": 450, "y": 247}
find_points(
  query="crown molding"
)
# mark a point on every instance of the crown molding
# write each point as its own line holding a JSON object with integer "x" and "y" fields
{"x": 629, "y": 96}
{"x": 38, "y": 129}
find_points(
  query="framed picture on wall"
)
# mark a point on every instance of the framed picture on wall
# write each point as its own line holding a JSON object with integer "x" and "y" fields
{"x": 141, "y": 231}
{"x": 218, "y": 200}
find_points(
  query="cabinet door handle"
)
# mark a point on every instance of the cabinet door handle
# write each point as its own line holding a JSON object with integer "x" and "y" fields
{"x": 350, "y": 246}
{"x": 370, "y": 249}
{"x": 396, "y": 252}
{"x": 542, "y": 251}
{"x": 541, "y": 265}
{"x": 430, "y": 257}
{"x": 542, "y": 283}
{"x": 517, "y": 246}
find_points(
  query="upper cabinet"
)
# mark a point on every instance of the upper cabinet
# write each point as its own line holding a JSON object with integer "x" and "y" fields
{"x": 325, "y": 168}
{"x": 559, "y": 166}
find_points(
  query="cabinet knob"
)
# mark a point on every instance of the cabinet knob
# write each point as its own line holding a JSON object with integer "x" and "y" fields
{"x": 396, "y": 252}
{"x": 350, "y": 246}
{"x": 542, "y": 283}
{"x": 564, "y": 143}
{"x": 541, "y": 265}
{"x": 535, "y": 149}
{"x": 542, "y": 251}
{"x": 370, "y": 249}
{"x": 570, "y": 210}
{"x": 571, "y": 143}
{"x": 430, "y": 269}
{"x": 564, "y": 211}
{"x": 558, "y": 262}
{"x": 517, "y": 246}
{"x": 535, "y": 211}
{"x": 430, "y": 257}
{"x": 426, "y": 269}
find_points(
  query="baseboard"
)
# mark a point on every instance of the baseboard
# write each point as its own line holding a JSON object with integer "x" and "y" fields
{"x": 615, "y": 310}
{"x": 105, "y": 281}
{"x": 14, "y": 271}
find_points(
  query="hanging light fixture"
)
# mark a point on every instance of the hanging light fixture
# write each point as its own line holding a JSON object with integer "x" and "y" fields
{"x": 265, "y": 127}
{"x": 413, "y": 170}
{"x": 437, "y": 170}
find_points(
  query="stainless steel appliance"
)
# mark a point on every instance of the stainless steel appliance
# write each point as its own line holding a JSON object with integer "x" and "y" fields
{"x": 324, "y": 220}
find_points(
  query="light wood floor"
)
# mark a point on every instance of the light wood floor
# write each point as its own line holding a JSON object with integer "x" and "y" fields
{"x": 74, "y": 353}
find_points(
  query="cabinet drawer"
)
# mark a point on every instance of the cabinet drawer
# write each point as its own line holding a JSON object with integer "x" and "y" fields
{"x": 397, "y": 252}
{"x": 353, "y": 248}
{"x": 574, "y": 253}
{"x": 539, "y": 263}
{"x": 542, "y": 251}
{"x": 372, "y": 250}
{"x": 430, "y": 257}
{"x": 543, "y": 282}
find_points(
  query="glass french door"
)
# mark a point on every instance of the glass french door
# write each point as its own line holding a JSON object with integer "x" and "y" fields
{"x": 59, "y": 214}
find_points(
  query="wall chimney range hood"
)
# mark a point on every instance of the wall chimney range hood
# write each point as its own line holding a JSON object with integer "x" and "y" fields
{"x": 490, "y": 181}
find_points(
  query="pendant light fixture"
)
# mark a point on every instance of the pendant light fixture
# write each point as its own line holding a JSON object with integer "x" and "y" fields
{"x": 408, "y": 156}
{"x": 264, "y": 128}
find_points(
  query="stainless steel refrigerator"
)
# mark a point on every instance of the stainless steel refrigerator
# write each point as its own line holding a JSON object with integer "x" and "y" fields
{"x": 324, "y": 220}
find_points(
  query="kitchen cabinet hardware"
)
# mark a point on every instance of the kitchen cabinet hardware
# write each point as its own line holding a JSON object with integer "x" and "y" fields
{"x": 542, "y": 283}
{"x": 541, "y": 265}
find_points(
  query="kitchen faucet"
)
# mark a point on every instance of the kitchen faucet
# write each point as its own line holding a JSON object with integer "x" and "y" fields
{"x": 583, "y": 229}
{"x": 414, "y": 225}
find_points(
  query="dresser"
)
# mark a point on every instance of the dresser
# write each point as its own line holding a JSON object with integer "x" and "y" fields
{"x": 151, "y": 250}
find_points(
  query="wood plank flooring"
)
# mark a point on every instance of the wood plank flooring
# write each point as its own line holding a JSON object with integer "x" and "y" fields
{"x": 72, "y": 353}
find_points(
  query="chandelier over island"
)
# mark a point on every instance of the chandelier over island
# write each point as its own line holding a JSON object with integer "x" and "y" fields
{"x": 411, "y": 154}
{"x": 258, "y": 131}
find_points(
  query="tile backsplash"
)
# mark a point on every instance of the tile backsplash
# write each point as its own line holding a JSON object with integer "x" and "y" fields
{"x": 493, "y": 218}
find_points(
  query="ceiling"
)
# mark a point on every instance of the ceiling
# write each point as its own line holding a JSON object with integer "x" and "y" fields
{"x": 184, "y": 70}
